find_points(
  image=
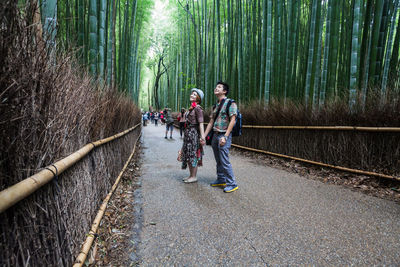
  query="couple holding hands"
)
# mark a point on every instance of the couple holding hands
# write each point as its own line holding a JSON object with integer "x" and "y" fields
{"x": 221, "y": 124}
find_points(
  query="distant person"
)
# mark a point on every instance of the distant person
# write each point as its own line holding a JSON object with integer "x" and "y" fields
{"x": 169, "y": 121}
{"x": 162, "y": 117}
{"x": 156, "y": 118}
{"x": 182, "y": 120}
{"x": 222, "y": 138}
{"x": 192, "y": 150}
{"x": 145, "y": 118}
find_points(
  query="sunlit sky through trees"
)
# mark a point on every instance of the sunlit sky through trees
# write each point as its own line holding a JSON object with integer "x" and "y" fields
{"x": 159, "y": 25}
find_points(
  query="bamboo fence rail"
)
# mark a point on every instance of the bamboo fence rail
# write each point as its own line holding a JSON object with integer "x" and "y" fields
{"x": 324, "y": 128}
{"x": 80, "y": 260}
{"x": 331, "y": 128}
{"x": 19, "y": 191}
{"x": 319, "y": 163}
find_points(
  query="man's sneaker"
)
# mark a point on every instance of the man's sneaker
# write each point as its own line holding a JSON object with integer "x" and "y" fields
{"x": 170, "y": 137}
{"x": 218, "y": 183}
{"x": 166, "y": 137}
{"x": 231, "y": 188}
{"x": 190, "y": 180}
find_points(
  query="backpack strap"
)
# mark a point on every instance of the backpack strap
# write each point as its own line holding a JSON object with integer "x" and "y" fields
{"x": 219, "y": 109}
{"x": 229, "y": 105}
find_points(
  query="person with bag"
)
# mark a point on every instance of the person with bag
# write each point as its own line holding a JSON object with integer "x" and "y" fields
{"x": 169, "y": 121}
{"x": 162, "y": 117}
{"x": 192, "y": 152}
{"x": 221, "y": 124}
{"x": 181, "y": 120}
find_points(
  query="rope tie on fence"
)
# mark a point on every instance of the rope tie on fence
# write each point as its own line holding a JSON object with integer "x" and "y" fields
{"x": 55, "y": 176}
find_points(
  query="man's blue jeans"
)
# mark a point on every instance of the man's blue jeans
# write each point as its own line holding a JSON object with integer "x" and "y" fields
{"x": 221, "y": 154}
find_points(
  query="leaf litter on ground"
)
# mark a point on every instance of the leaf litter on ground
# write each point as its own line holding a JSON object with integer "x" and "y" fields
{"x": 114, "y": 243}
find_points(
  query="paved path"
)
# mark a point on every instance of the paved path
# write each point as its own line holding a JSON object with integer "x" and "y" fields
{"x": 274, "y": 218}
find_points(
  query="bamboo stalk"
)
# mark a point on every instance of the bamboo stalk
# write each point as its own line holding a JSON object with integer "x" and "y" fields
{"x": 80, "y": 260}
{"x": 320, "y": 163}
{"x": 19, "y": 191}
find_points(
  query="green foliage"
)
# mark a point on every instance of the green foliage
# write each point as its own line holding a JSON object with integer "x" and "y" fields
{"x": 108, "y": 35}
{"x": 308, "y": 51}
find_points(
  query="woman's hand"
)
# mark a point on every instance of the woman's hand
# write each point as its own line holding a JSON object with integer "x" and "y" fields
{"x": 202, "y": 141}
{"x": 179, "y": 155}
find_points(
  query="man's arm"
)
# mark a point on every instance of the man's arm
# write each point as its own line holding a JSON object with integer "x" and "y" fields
{"x": 222, "y": 141}
{"x": 209, "y": 127}
{"x": 230, "y": 126}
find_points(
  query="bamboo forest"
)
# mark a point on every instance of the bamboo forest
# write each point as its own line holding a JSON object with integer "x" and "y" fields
{"x": 291, "y": 156}
{"x": 308, "y": 51}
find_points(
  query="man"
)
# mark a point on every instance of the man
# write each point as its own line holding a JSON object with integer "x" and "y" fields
{"x": 169, "y": 121}
{"x": 221, "y": 143}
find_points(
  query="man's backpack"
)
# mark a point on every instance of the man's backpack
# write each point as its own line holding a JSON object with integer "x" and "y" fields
{"x": 237, "y": 128}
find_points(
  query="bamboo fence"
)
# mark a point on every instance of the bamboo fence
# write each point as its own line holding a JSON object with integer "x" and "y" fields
{"x": 327, "y": 128}
{"x": 380, "y": 175}
{"x": 321, "y": 128}
{"x": 324, "y": 128}
{"x": 19, "y": 191}
{"x": 368, "y": 151}
{"x": 80, "y": 260}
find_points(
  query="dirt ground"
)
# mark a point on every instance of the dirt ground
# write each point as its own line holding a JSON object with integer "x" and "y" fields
{"x": 114, "y": 244}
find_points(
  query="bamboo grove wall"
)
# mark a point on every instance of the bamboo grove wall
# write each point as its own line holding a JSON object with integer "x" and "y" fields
{"x": 50, "y": 107}
{"x": 308, "y": 51}
{"x": 371, "y": 151}
{"x": 47, "y": 228}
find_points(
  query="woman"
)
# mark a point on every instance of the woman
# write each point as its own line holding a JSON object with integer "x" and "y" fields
{"x": 192, "y": 151}
{"x": 182, "y": 120}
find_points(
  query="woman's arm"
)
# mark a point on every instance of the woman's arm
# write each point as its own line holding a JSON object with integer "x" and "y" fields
{"x": 202, "y": 136}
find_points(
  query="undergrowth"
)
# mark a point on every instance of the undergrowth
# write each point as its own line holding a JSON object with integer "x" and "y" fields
{"x": 335, "y": 112}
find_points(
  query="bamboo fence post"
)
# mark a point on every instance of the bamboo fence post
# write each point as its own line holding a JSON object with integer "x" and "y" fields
{"x": 19, "y": 191}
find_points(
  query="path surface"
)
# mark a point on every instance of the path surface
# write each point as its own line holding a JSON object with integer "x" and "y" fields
{"x": 275, "y": 217}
